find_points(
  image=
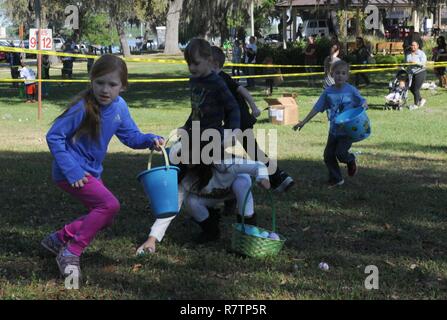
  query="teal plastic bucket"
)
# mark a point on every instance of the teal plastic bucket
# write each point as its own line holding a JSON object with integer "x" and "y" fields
{"x": 161, "y": 187}
{"x": 355, "y": 123}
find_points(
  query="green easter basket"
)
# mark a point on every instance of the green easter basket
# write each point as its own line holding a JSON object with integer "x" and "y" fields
{"x": 253, "y": 246}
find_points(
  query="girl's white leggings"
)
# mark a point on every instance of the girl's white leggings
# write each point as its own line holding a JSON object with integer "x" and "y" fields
{"x": 197, "y": 206}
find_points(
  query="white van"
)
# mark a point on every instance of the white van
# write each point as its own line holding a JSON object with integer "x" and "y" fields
{"x": 319, "y": 27}
{"x": 58, "y": 43}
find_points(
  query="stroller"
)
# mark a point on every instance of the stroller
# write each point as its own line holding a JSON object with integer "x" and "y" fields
{"x": 398, "y": 90}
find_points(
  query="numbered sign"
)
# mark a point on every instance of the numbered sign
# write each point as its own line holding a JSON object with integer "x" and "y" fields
{"x": 46, "y": 38}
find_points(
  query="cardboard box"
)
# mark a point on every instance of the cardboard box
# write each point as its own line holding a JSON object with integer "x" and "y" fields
{"x": 284, "y": 110}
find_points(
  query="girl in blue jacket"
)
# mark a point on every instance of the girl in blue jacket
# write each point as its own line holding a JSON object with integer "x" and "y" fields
{"x": 78, "y": 141}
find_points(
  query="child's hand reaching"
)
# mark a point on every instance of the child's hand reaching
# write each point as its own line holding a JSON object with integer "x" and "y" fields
{"x": 265, "y": 183}
{"x": 147, "y": 247}
{"x": 80, "y": 183}
{"x": 299, "y": 126}
{"x": 255, "y": 111}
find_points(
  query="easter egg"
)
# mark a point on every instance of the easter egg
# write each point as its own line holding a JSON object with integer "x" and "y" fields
{"x": 239, "y": 227}
{"x": 252, "y": 231}
{"x": 274, "y": 236}
{"x": 264, "y": 234}
{"x": 323, "y": 266}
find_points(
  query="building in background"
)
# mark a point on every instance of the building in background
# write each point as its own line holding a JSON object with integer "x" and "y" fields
{"x": 391, "y": 13}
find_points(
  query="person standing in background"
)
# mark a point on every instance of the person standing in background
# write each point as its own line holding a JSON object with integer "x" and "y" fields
{"x": 250, "y": 58}
{"x": 236, "y": 57}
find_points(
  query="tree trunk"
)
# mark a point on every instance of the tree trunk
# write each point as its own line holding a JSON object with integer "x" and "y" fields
{"x": 293, "y": 15}
{"x": 439, "y": 15}
{"x": 44, "y": 20}
{"x": 415, "y": 20}
{"x": 172, "y": 24}
{"x": 224, "y": 35}
{"x": 123, "y": 39}
{"x": 358, "y": 21}
{"x": 150, "y": 28}
{"x": 284, "y": 28}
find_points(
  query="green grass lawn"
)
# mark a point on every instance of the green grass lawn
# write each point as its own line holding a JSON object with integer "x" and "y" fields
{"x": 392, "y": 215}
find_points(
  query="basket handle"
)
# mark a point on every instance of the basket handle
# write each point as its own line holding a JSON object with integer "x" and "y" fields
{"x": 272, "y": 203}
{"x": 149, "y": 162}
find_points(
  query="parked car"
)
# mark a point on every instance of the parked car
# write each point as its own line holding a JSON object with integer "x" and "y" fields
{"x": 396, "y": 32}
{"x": 58, "y": 43}
{"x": 81, "y": 47}
{"x": 116, "y": 49}
{"x": 3, "y": 43}
{"x": 319, "y": 27}
{"x": 20, "y": 43}
{"x": 272, "y": 38}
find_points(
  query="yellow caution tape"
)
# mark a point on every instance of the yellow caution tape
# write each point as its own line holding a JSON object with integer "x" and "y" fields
{"x": 46, "y": 52}
{"x": 76, "y": 55}
{"x": 166, "y": 61}
{"x": 181, "y": 61}
{"x": 45, "y": 80}
{"x": 372, "y": 70}
{"x": 302, "y": 74}
{"x": 249, "y": 65}
{"x": 87, "y": 80}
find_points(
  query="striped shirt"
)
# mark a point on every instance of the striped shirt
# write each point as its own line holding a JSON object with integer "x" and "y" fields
{"x": 212, "y": 103}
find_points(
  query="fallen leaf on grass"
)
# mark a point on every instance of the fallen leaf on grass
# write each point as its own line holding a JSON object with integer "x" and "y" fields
{"x": 51, "y": 283}
{"x": 306, "y": 229}
{"x": 387, "y": 226}
{"x": 390, "y": 263}
{"x": 137, "y": 267}
{"x": 220, "y": 276}
{"x": 109, "y": 269}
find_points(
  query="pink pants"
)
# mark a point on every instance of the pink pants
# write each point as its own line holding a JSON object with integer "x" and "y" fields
{"x": 102, "y": 206}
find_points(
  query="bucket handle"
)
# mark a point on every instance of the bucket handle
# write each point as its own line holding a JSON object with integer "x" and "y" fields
{"x": 149, "y": 162}
{"x": 173, "y": 135}
{"x": 272, "y": 203}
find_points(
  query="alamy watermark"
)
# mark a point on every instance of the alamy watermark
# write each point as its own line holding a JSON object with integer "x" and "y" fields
{"x": 72, "y": 280}
{"x": 372, "y": 281}
{"x": 372, "y": 17}
{"x": 72, "y": 17}
{"x": 208, "y": 147}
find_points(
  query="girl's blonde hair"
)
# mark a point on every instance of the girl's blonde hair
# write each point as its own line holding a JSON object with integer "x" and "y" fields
{"x": 91, "y": 125}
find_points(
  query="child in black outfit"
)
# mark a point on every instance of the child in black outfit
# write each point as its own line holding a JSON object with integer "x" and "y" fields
{"x": 211, "y": 101}
{"x": 280, "y": 180}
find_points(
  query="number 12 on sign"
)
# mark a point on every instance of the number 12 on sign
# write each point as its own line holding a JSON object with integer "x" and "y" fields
{"x": 46, "y": 37}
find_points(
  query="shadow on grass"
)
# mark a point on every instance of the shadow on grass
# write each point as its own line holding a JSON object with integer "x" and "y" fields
{"x": 411, "y": 147}
{"x": 167, "y": 95}
{"x": 383, "y": 214}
